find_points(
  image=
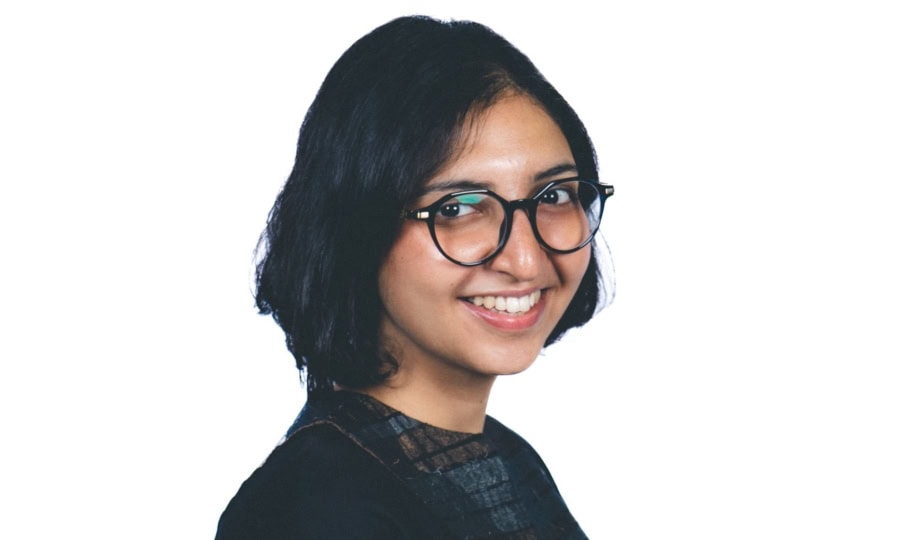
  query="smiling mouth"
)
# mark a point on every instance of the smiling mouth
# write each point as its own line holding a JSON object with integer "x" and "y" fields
{"x": 507, "y": 304}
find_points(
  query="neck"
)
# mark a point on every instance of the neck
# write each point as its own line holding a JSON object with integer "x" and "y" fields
{"x": 457, "y": 401}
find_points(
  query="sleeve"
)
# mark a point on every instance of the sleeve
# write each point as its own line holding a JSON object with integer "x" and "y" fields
{"x": 319, "y": 484}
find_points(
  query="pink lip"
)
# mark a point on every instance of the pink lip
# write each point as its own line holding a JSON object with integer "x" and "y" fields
{"x": 511, "y": 322}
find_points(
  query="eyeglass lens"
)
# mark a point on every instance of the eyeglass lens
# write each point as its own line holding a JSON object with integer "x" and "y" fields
{"x": 469, "y": 227}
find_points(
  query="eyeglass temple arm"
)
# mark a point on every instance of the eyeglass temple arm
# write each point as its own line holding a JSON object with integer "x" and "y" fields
{"x": 422, "y": 215}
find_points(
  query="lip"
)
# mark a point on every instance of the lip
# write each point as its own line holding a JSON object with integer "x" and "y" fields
{"x": 507, "y": 321}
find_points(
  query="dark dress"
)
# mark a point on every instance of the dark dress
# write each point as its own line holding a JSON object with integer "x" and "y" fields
{"x": 353, "y": 468}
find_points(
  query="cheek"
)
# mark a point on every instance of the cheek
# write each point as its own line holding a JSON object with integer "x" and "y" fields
{"x": 417, "y": 289}
{"x": 411, "y": 270}
{"x": 394, "y": 272}
{"x": 572, "y": 267}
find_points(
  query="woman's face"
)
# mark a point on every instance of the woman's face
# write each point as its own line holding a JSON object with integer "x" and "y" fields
{"x": 431, "y": 324}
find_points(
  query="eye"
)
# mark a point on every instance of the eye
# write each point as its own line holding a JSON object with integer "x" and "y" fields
{"x": 561, "y": 194}
{"x": 461, "y": 205}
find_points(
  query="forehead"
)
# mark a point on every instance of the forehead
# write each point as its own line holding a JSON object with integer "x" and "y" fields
{"x": 509, "y": 147}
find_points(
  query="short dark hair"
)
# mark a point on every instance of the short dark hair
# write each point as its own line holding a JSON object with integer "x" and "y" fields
{"x": 385, "y": 119}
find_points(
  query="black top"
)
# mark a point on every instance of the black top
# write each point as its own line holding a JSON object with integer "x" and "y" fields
{"x": 351, "y": 468}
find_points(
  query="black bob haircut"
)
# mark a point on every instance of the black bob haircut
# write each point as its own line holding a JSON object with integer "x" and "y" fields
{"x": 385, "y": 119}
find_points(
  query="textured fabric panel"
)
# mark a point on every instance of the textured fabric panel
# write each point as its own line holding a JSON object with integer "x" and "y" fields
{"x": 488, "y": 485}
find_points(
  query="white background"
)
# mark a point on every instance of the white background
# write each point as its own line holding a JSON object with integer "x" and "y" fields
{"x": 751, "y": 379}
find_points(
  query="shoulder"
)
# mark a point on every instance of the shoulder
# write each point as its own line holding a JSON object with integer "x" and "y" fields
{"x": 321, "y": 484}
{"x": 516, "y": 450}
{"x": 508, "y": 441}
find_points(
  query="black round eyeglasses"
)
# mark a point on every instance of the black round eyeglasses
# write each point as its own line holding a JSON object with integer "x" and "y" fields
{"x": 472, "y": 227}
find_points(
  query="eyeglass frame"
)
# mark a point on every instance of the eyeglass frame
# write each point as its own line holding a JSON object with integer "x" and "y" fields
{"x": 529, "y": 205}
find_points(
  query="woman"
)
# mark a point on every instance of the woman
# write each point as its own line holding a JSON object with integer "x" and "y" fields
{"x": 434, "y": 234}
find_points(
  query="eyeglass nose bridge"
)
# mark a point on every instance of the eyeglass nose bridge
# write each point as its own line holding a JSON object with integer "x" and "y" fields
{"x": 509, "y": 207}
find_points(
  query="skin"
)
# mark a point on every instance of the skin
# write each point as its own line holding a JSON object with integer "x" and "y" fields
{"x": 450, "y": 351}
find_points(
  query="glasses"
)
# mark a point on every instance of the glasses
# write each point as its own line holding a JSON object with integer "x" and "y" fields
{"x": 472, "y": 227}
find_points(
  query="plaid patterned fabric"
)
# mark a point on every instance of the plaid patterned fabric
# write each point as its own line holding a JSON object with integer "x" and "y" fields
{"x": 487, "y": 485}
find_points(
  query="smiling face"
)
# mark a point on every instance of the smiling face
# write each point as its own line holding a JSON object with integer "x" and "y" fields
{"x": 442, "y": 320}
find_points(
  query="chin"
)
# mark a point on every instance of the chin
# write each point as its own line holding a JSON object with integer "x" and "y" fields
{"x": 511, "y": 361}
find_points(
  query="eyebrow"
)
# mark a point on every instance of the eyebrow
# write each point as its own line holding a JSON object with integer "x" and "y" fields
{"x": 454, "y": 185}
{"x": 556, "y": 170}
{"x": 449, "y": 186}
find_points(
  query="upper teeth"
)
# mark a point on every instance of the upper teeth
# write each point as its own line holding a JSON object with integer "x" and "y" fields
{"x": 509, "y": 304}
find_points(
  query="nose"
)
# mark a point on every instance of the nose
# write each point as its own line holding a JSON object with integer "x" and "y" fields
{"x": 522, "y": 257}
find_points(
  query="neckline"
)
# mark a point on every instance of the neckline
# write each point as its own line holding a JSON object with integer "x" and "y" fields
{"x": 379, "y": 408}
